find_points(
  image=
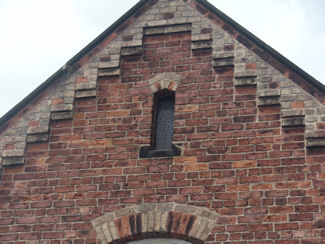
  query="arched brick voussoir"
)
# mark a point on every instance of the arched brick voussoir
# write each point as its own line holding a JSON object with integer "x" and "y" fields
{"x": 171, "y": 218}
{"x": 167, "y": 80}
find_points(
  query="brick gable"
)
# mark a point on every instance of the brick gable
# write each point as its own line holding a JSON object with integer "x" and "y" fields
{"x": 250, "y": 134}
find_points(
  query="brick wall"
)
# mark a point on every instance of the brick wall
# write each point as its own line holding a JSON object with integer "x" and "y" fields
{"x": 245, "y": 173}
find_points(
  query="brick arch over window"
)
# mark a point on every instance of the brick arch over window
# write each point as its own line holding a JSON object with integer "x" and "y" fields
{"x": 187, "y": 222}
{"x": 167, "y": 80}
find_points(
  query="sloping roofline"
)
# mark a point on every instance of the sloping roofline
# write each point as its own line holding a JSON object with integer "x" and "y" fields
{"x": 258, "y": 42}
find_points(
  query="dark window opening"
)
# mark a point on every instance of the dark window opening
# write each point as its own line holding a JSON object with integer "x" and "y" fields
{"x": 162, "y": 127}
{"x": 163, "y": 120}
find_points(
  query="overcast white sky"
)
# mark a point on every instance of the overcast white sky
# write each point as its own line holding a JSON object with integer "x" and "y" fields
{"x": 37, "y": 37}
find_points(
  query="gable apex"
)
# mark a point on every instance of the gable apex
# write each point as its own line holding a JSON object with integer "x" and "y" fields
{"x": 209, "y": 30}
{"x": 209, "y": 10}
{"x": 138, "y": 9}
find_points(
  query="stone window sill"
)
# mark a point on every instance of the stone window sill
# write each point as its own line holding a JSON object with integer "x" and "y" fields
{"x": 146, "y": 152}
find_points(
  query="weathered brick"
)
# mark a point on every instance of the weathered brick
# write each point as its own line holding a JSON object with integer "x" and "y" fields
{"x": 244, "y": 172}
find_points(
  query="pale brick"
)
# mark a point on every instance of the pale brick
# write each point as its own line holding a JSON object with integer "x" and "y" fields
{"x": 86, "y": 93}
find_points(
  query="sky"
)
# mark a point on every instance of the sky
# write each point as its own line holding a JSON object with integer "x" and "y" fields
{"x": 37, "y": 37}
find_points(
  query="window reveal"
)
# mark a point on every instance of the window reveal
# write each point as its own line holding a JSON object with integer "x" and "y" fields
{"x": 163, "y": 124}
{"x": 162, "y": 127}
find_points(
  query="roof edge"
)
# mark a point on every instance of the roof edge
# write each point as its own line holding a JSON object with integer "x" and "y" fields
{"x": 269, "y": 50}
{"x": 11, "y": 113}
{"x": 76, "y": 58}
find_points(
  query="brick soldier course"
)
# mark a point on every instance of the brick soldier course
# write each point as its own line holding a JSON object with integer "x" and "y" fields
{"x": 247, "y": 158}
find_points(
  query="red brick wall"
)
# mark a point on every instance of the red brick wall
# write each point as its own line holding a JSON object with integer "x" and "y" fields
{"x": 236, "y": 159}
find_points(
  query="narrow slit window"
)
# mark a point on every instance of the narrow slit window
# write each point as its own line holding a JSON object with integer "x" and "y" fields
{"x": 162, "y": 127}
{"x": 163, "y": 120}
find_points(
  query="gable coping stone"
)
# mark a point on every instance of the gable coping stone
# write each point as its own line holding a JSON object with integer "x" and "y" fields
{"x": 85, "y": 93}
{"x": 298, "y": 120}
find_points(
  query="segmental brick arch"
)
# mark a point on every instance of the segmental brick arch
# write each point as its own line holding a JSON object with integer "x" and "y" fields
{"x": 188, "y": 222}
{"x": 166, "y": 80}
